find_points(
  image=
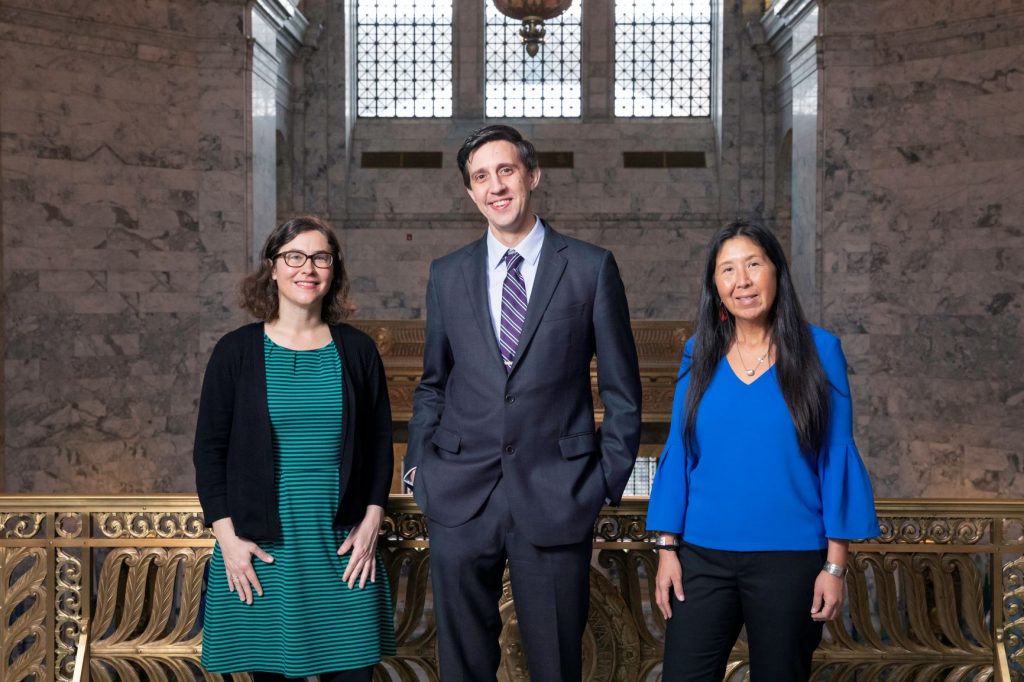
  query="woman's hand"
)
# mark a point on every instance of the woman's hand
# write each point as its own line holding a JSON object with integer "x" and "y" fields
{"x": 828, "y": 597}
{"x": 238, "y": 553}
{"x": 670, "y": 577}
{"x": 362, "y": 542}
{"x": 828, "y": 589}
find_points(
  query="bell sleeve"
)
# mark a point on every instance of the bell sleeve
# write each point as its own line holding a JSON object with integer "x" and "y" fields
{"x": 847, "y": 501}
{"x": 666, "y": 510}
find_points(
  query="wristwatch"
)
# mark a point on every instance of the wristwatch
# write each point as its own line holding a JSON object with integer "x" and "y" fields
{"x": 666, "y": 543}
{"x": 835, "y": 569}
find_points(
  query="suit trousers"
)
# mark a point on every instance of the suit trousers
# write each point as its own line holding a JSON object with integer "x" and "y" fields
{"x": 769, "y": 592}
{"x": 550, "y": 589}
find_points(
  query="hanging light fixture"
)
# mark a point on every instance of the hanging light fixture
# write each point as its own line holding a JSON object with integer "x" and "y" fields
{"x": 532, "y": 13}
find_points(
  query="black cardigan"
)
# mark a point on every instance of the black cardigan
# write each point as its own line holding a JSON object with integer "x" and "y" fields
{"x": 234, "y": 456}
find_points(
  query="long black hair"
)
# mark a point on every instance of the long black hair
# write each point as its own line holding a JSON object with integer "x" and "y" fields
{"x": 799, "y": 371}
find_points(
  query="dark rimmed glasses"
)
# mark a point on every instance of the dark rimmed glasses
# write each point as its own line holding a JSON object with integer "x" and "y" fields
{"x": 296, "y": 259}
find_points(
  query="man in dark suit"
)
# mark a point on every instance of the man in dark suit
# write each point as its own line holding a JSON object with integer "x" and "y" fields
{"x": 503, "y": 454}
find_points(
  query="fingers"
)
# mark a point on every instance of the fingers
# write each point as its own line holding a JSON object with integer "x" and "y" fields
{"x": 362, "y": 567}
{"x": 828, "y": 597}
{"x": 347, "y": 544}
{"x": 241, "y": 575}
{"x": 261, "y": 555}
{"x": 817, "y": 604}
{"x": 661, "y": 598}
{"x": 365, "y": 573}
{"x": 677, "y": 586}
{"x": 355, "y": 565}
{"x": 829, "y": 610}
{"x": 825, "y": 608}
{"x": 252, "y": 579}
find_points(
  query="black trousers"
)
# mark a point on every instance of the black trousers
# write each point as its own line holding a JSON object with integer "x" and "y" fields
{"x": 769, "y": 592}
{"x": 550, "y": 586}
{"x": 355, "y": 675}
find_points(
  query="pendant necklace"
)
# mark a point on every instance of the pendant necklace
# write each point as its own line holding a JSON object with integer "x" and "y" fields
{"x": 750, "y": 372}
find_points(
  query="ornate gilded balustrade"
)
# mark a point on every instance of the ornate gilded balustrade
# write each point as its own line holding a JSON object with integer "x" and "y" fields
{"x": 928, "y": 598}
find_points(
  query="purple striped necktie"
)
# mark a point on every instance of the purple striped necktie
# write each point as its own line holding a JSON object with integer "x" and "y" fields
{"x": 513, "y": 308}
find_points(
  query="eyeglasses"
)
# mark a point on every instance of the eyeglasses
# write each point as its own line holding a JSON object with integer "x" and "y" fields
{"x": 296, "y": 259}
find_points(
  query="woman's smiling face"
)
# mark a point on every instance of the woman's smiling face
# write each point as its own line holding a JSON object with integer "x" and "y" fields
{"x": 746, "y": 280}
{"x": 306, "y": 285}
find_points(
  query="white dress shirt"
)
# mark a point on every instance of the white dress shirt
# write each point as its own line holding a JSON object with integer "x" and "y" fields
{"x": 529, "y": 249}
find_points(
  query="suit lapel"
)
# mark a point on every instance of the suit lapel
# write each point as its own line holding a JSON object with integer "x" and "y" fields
{"x": 474, "y": 272}
{"x": 550, "y": 267}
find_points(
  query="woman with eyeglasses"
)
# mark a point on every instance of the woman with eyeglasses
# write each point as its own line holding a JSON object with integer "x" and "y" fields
{"x": 293, "y": 457}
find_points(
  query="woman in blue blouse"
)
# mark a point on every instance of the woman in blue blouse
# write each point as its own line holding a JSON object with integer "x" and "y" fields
{"x": 760, "y": 487}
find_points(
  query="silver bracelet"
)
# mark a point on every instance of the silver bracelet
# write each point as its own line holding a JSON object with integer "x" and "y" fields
{"x": 662, "y": 543}
{"x": 834, "y": 569}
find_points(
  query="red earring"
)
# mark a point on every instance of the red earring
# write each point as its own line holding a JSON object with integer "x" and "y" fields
{"x": 722, "y": 316}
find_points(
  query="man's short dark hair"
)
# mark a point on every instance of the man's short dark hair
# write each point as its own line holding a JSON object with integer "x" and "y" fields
{"x": 496, "y": 133}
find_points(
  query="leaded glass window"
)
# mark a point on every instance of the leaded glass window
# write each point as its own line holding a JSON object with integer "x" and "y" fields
{"x": 662, "y": 57}
{"x": 545, "y": 85}
{"x": 404, "y": 58}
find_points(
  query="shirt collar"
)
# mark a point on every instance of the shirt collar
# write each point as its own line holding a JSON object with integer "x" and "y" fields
{"x": 529, "y": 248}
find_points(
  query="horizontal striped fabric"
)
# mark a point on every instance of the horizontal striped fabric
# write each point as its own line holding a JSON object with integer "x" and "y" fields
{"x": 307, "y": 621}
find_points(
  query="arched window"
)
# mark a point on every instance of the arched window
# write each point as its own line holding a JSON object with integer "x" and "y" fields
{"x": 662, "y": 57}
{"x": 403, "y": 58}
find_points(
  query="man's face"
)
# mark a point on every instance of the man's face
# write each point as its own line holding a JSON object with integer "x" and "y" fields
{"x": 500, "y": 186}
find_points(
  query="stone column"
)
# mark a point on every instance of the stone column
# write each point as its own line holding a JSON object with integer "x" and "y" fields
{"x": 793, "y": 34}
{"x": 274, "y": 33}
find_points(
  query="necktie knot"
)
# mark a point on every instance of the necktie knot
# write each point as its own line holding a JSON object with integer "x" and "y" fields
{"x": 513, "y": 259}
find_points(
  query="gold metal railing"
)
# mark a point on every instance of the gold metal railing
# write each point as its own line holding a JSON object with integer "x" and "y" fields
{"x": 938, "y": 595}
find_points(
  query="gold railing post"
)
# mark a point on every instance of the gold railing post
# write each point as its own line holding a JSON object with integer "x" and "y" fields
{"x": 82, "y": 653}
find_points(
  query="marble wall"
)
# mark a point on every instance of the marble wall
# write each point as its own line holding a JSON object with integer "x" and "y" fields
{"x": 146, "y": 148}
{"x": 922, "y": 239}
{"x": 123, "y": 182}
{"x": 394, "y": 222}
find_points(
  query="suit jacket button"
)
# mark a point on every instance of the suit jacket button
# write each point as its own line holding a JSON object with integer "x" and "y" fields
{"x": 509, "y": 450}
{"x": 510, "y": 399}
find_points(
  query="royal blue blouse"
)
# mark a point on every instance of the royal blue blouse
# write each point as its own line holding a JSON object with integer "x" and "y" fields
{"x": 752, "y": 488}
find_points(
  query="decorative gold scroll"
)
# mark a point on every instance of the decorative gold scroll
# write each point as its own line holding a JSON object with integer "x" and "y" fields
{"x": 23, "y": 606}
{"x": 925, "y": 598}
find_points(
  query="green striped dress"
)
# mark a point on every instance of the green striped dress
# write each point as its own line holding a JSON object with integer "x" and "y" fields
{"x": 307, "y": 621}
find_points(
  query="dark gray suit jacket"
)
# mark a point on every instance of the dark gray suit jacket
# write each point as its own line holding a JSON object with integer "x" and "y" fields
{"x": 473, "y": 424}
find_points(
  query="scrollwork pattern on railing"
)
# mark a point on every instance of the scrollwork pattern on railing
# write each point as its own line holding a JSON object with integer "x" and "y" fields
{"x": 920, "y": 605}
{"x": 402, "y": 526}
{"x": 621, "y": 528}
{"x": 148, "y": 599}
{"x": 633, "y": 575}
{"x": 1013, "y": 612}
{"x": 23, "y": 613}
{"x": 21, "y": 526}
{"x": 941, "y": 531}
{"x": 69, "y": 524}
{"x": 68, "y": 610}
{"x": 139, "y": 525}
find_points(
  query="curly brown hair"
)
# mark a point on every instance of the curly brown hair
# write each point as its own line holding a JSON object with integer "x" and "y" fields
{"x": 258, "y": 292}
